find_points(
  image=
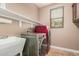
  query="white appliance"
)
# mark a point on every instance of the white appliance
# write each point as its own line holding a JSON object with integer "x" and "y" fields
{"x": 11, "y": 46}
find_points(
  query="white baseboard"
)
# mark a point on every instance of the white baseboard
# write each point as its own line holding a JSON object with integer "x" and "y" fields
{"x": 65, "y": 49}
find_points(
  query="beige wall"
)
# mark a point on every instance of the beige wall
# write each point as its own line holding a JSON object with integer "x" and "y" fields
{"x": 10, "y": 29}
{"x": 67, "y": 37}
{"x": 28, "y": 10}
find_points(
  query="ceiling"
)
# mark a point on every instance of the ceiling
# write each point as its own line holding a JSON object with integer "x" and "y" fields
{"x": 39, "y": 5}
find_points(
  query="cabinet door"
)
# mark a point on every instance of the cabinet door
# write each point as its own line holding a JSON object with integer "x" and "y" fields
{"x": 75, "y": 10}
{"x": 77, "y": 16}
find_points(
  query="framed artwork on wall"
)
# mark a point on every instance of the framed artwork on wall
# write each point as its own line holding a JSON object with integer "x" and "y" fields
{"x": 57, "y": 17}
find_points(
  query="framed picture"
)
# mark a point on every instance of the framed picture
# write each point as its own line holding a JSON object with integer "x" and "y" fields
{"x": 57, "y": 17}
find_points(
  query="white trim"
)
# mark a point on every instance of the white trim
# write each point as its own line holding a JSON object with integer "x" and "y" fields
{"x": 3, "y": 20}
{"x": 4, "y": 12}
{"x": 20, "y": 23}
{"x": 65, "y": 49}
